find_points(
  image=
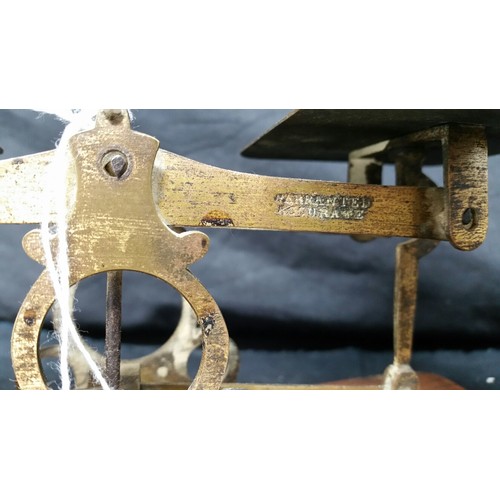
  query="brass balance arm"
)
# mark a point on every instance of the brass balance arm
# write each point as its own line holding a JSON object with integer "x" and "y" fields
{"x": 190, "y": 193}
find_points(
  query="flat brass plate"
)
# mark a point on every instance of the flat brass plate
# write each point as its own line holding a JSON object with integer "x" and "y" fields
{"x": 331, "y": 134}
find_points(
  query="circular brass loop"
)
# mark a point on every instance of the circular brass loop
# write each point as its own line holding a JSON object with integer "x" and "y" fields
{"x": 36, "y": 305}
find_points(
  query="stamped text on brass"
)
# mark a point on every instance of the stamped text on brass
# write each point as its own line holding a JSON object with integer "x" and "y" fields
{"x": 323, "y": 207}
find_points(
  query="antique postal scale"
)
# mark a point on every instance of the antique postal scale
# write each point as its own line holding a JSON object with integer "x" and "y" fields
{"x": 131, "y": 202}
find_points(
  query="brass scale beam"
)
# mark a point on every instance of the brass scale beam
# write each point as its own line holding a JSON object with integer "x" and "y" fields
{"x": 189, "y": 193}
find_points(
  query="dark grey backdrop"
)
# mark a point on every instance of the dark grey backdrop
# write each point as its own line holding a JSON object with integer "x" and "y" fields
{"x": 280, "y": 290}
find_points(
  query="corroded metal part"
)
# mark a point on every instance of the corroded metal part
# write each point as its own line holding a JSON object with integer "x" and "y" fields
{"x": 400, "y": 375}
{"x": 114, "y": 225}
{"x": 114, "y": 284}
{"x": 219, "y": 198}
{"x": 464, "y": 214}
{"x": 214, "y": 197}
{"x": 466, "y": 181}
{"x": 114, "y": 228}
{"x": 165, "y": 366}
{"x": 465, "y": 166}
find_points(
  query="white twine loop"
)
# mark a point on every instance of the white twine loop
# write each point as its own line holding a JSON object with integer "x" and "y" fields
{"x": 58, "y": 267}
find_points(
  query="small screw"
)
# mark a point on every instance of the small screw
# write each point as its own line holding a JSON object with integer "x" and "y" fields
{"x": 115, "y": 164}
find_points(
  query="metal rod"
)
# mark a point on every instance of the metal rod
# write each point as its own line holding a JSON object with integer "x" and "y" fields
{"x": 113, "y": 327}
{"x": 409, "y": 163}
{"x": 405, "y": 300}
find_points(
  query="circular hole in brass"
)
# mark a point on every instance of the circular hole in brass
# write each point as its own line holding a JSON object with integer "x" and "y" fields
{"x": 469, "y": 218}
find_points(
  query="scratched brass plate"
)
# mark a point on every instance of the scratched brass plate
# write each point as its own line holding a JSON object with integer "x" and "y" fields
{"x": 331, "y": 134}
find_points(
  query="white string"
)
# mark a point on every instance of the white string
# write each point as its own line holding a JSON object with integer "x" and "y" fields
{"x": 58, "y": 268}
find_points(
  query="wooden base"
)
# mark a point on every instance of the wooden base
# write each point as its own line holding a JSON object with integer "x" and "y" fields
{"x": 428, "y": 381}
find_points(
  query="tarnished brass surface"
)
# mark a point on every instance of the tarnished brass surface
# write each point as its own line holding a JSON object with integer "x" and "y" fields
{"x": 408, "y": 163}
{"x": 466, "y": 181}
{"x": 465, "y": 163}
{"x": 129, "y": 194}
{"x": 215, "y": 197}
{"x": 114, "y": 225}
{"x": 400, "y": 375}
{"x": 25, "y": 192}
{"x": 189, "y": 193}
{"x": 465, "y": 166}
{"x": 165, "y": 366}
